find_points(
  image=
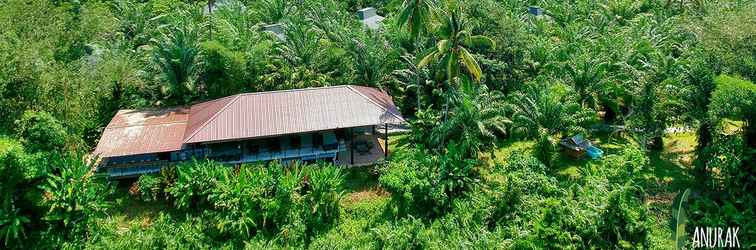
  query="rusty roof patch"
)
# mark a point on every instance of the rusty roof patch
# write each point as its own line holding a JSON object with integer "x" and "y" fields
{"x": 133, "y": 132}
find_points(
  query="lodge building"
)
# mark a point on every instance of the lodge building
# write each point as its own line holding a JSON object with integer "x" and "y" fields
{"x": 346, "y": 125}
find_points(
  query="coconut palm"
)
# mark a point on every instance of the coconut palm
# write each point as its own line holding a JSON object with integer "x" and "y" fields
{"x": 414, "y": 79}
{"x": 452, "y": 50}
{"x": 416, "y": 15}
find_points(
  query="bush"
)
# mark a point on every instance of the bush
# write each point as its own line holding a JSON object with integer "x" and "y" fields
{"x": 625, "y": 222}
{"x": 150, "y": 187}
{"x": 404, "y": 234}
{"x": 544, "y": 148}
{"x": 164, "y": 232}
{"x": 11, "y": 156}
{"x": 40, "y": 131}
{"x": 194, "y": 182}
{"x": 292, "y": 203}
{"x": 527, "y": 175}
{"x": 562, "y": 225}
{"x": 735, "y": 99}
{"x": 425, "y": 183}
{"x": 224, "y": 71}
{"x": 521, "y": 183}
{"x": 74, "y": 197}
{"x": 622, "y": 168}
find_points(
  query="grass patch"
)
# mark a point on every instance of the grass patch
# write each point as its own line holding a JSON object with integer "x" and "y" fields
{"x": 669, "y": 168}
{"x": 361, "y": 185}
{"x": 505, "y": 149}
{"x": 129, "y": 210}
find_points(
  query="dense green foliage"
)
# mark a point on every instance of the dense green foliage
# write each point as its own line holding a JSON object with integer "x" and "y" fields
{"x": 474, "y": 78}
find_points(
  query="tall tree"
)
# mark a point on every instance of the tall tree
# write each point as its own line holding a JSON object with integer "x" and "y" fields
{"x": 416, "y": 15}
{"x": 176, "y": 55}
{"x": 452, "y": 50}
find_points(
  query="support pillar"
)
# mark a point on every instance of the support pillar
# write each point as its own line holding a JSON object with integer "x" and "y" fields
{"x": 351, "y": 146}
{"x": 385, "y": 140}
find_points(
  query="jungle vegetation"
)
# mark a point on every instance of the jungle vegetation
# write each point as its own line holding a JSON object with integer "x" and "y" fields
{"x": 664, "y": 87}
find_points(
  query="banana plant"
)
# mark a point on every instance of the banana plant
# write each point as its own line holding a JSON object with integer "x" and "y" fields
{"x": 75, "y": 195}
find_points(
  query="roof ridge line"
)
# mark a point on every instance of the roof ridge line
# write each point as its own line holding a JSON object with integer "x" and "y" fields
{"x": 236, "y": 97}
{"x": 144, "y": 125}
{"x": 372, "y": 101}
{"x": 294, "y": 90}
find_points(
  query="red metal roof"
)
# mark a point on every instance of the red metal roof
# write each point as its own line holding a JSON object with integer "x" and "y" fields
{"x": 288, "y": 112}
{"x": 133, "y": 132}
{"x": 245, "y": 116}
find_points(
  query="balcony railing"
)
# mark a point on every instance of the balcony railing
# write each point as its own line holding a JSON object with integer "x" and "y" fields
{"x": 303, "y": 153}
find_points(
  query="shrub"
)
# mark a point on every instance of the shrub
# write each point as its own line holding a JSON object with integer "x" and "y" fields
{"x": 527, "y": 175}
{"x": 11, "y": 156}
{"x": 728, "y": 154}
{"x": 293, "y": 203}
{"x": 74, "y": 197}
{"x": 562, "y": 225}
{"x": 544, "y": 148}
{"x": 194, "y": 182}
{"x": 625, "y": 222}
{"x": 40, "y": 131}
{"x": 150, "y": 187}
{"x": 735, "y": 99}
{"x": 404, "y": 234}
{"x": 624, "y": 167}
{"x": 224, "y": 69}
{"x": 425, "y": 183}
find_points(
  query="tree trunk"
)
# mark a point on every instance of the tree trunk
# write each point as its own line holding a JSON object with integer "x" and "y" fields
{"x": 417, "y": 76}
{"x": 609, "y": 114}
{"x": 704, "y": 137}
{"x": 704, "y": 140}
{"x": 656, "y": 143}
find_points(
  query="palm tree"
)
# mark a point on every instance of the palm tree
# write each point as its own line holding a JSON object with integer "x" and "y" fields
{"x": 540, "y": 110}
{"x": 475, "y": 121}
{"x": 586, "y": 76}
{"x": 416, "y": 15}
{"x": 176, "y": 56}
{"x": 452, "y": 50}
{"x": 404, "y": 76}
